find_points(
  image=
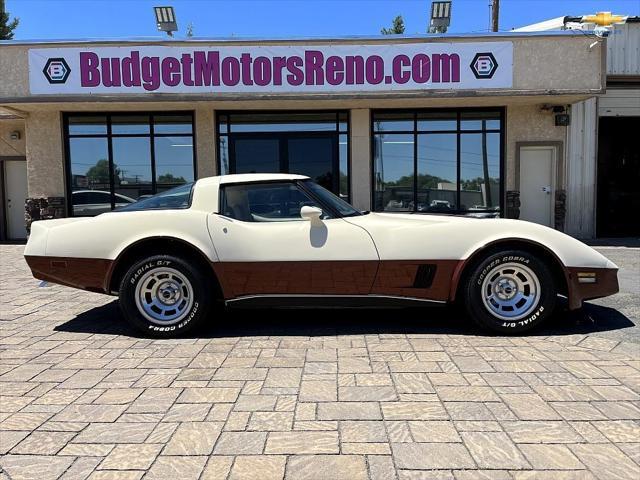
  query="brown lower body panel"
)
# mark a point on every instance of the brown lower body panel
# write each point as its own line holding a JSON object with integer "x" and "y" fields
{"x": 392, "y": 278}
{"x": 397, "y": 278}
{"x": 293, "y": 278}
{"x": 606, "y": 284}
{"x": 84, "y": 273}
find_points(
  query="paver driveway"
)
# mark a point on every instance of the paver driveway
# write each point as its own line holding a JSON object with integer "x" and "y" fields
{"x": 316, "y": 395}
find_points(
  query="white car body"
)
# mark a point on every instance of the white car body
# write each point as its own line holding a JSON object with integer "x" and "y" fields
{"x": 376, "y": 254}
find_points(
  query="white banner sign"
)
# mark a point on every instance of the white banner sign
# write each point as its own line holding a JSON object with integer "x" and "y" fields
{"x": 271, "y": 69}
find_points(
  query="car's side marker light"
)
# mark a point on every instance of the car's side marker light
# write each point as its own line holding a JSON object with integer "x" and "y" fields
{"x": 586, "y": 277}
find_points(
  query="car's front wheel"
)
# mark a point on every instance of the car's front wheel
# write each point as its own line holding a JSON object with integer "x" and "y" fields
{"x": 510, "y": 292}
{"x": 164, "y": 296}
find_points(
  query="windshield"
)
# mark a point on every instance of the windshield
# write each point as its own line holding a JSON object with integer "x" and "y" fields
{"x": 326, "y": 197}
{"x": 177, "y": 197}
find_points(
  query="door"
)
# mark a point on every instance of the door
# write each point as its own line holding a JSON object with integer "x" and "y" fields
{"x": 537, "y": 184}
{"x": 266, "y": 247}
{"x": 315, "y": 155}
{"x": 15, "y": 190}
{"x": 618, "y": 177}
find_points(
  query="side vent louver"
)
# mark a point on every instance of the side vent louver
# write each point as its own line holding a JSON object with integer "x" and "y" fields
{"x": 424, "y": 276}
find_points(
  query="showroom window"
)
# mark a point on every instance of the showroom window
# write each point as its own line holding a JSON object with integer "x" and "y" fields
{"x": 115, "y": 159}
{"x": 438, "y": 161}
{"x": 315, "y": 144}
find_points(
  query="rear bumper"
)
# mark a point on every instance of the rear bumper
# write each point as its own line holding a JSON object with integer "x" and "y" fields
{"x": 83, "y": 273}
{"x": 602, "y": 283}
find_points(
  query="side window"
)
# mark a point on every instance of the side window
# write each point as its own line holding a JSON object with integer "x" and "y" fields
{"x": 265, "y": 202}
{"x": 99, "y": 197}
{"x": 80, "y": 198}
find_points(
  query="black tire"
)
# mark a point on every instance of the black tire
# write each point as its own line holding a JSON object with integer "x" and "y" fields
{"x": 186, "y": 286}
{"x": 494, "y": 277}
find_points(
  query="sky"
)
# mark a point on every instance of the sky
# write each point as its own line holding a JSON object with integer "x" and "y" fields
{"x": 72, "y": 19}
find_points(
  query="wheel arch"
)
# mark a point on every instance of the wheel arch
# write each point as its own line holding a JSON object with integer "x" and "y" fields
{"x": 159, "y": 245}
{"x": 558, "y": 270}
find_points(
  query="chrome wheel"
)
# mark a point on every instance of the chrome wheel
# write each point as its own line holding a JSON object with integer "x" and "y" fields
{"x": 164, "y": 296}
{"x": 511, "y": 291}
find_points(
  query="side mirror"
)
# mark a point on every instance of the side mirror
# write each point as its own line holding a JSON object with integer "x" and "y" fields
{"x": 311, "y": 213}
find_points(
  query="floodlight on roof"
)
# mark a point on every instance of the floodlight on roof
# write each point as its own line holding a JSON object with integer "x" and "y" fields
{"x": 440, "y": 16}
{"x": 166, "y": 20}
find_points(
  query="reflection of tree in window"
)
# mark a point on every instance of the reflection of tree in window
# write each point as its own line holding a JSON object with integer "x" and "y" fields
{"x": 424, "y": 181}
{"x": 169, "y": 178}
{"x": 99, "y": 173}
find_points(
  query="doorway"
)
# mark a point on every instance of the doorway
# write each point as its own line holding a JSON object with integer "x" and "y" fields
{"x": 313, "y": 155}
{"x": 315, "y": 144}
{"x": 14, "y": 194}
{"x": 618, "y": 198}
{"x": 537, "y": 176}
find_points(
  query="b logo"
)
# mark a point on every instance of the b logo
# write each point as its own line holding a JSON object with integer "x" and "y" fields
{"x": 484, "y": 65}
{"x": 56, "y": 70}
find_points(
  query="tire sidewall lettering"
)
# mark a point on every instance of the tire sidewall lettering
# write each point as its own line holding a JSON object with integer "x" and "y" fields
{"x": 146, "y": 267}
{"x": 498, "y": 261}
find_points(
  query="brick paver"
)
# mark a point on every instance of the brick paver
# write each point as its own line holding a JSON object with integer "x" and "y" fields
{"x": 303, "y": 395}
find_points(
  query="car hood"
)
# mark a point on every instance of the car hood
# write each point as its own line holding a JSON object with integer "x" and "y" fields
{"x": 443, "y": 237}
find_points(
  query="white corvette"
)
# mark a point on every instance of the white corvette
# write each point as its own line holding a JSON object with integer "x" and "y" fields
{"x": 282, "y": 240}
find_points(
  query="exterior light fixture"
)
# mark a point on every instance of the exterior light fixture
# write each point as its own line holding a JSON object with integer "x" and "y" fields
{"x": 440, "y": 16}
{"x": 166, "y": 20}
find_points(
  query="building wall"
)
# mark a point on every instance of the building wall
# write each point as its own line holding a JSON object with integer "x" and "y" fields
{"x": 45, "y": 150}
{"x": 8, "y": 147}
{"x": 581, "y": 169}
{"x": 528, "y": 123}
{"x": 361, "y": 158}
{"x": 623, "y": 50}
{"x": 45, "y": 158}
{"x": 541, "y": 63}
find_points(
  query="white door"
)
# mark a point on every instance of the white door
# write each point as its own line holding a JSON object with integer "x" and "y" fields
{"x": 537, "y": 184}
{"x": 265, "y": 247}
{"x": 15, "y": 188}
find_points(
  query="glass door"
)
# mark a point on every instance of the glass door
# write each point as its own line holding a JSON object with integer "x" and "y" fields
{"x": 314, "y": 155}
{"x": 314, "y": 143}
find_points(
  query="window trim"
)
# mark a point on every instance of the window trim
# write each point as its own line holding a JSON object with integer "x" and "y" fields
{"x": 501, "y": 111}
{"x": 337, "y": 132}
{"x": 109, "y": 135}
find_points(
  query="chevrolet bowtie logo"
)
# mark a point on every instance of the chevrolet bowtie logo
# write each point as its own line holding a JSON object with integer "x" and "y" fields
{"x": 604, "y": 19}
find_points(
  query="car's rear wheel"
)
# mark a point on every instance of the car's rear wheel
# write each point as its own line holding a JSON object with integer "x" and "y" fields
{"x": 510, "y": 292}
{"x": 164, "y": 296}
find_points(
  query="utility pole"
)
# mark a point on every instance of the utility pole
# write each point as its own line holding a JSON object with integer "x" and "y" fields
{"x": 495, "y": 14}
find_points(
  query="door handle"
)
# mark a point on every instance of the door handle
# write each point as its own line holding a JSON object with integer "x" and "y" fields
{"x": 546, "y": 190}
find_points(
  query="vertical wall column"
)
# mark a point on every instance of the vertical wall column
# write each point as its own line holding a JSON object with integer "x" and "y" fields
{"x": 206, "y": 152}
{"x": 581, "y": 169}
{"x": 45, "y": 154}
{"x": 360, "y": 129}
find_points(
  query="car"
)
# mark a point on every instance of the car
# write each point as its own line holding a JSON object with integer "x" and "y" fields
{"x": 94, "y": 202}
{"x": 260, "y": 240}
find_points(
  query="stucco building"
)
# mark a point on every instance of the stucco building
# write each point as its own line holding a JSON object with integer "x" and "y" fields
{"x": 471, "y": 124}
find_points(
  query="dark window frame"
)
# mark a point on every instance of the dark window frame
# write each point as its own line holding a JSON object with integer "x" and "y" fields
{"x": 109, "y": 136}
{"x": 501, "y": 111}
{"x": 277, "y": 134}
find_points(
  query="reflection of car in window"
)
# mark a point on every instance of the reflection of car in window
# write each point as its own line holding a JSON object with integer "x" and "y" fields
{"x": 178, "y": 197}
{"x": 94, "y": 202}
{"x": 442, "y": 206}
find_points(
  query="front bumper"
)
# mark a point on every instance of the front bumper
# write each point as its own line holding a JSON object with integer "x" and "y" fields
{"x": 586, "y": 283}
